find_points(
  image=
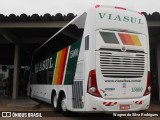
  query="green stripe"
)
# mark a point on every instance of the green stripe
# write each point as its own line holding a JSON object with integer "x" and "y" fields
{"x": 72, "y": 62}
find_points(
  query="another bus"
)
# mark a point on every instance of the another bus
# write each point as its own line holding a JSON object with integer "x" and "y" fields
{"x": 98, "y": 62}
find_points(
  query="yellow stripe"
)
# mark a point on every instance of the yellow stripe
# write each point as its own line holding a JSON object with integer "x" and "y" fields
{"x": 57, "y": 67}
{"x": 136, "y": 40}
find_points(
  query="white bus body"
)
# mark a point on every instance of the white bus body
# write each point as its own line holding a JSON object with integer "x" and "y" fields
{"x": 100, "y": 65}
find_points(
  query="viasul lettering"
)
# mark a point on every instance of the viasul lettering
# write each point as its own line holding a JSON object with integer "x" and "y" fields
{"x": 121, "y": 18}
{"x": 102, "y": 15}
{"x": 44, "y": 65}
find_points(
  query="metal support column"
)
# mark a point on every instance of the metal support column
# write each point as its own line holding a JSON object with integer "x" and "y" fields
{"x": 16, "y": 72}
{"x": 158, "y": 65}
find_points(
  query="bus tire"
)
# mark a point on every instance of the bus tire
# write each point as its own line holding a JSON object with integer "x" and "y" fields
{"x": 56, "y": 107}
{"x": 63, "y": 102}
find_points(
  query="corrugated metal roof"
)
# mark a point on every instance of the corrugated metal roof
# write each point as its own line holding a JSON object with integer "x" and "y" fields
{"x": 153, "y": 16}
{"x": 36, "y": 17}
{"x": 56, "y": 17}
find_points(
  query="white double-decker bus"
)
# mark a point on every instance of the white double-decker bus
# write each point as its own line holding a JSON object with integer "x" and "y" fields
{"x": 98, "y": 62}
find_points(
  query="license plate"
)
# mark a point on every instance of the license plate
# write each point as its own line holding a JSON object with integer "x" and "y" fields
{"x": 124, "y": 107}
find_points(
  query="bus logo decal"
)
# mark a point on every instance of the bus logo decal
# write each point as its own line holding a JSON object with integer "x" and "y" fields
{"x": 123, "y": 49}
{"x": 60, "y": 67}
{"x": 128, "y": 39}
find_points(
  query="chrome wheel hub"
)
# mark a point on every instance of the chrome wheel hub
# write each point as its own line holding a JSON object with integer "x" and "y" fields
{"x": 64, "y": 106}
{"x": 55, "y": 101}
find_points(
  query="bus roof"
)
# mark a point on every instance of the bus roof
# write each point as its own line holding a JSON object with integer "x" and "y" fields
{"x": 96, "y": 7}
{"x": 117, "y": 7}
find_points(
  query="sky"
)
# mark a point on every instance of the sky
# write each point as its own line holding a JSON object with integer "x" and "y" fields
{"x": 77, "y": 7}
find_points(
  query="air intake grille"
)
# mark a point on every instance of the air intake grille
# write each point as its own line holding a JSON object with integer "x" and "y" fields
{"x": 122, "y": 66}
{"x": 77, "y": 94}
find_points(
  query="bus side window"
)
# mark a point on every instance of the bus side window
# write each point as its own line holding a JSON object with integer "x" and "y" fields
{"x": 87, "y": 42}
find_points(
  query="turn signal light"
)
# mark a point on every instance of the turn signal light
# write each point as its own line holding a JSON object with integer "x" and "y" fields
{"x": 97, "y": 6}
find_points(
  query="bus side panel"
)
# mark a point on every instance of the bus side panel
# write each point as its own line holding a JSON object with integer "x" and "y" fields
{"x": 78, "y": 85}
{"x": 72, "y": 62}
{"x": 76, "y": 91}
{"x": 65, "y": 68}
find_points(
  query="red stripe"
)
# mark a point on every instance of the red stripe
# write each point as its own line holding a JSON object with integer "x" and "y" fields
{"x": 122, "y": 38}
{"x": 104, "y": 103}
{"x": 140, "y": 102}
{"x": 128, "y": 39}
{"x": 136, "y": 102}
{"x": 108, "y": 104}
{"x": 115, "y": 103}
{"x": 63, "y": 61}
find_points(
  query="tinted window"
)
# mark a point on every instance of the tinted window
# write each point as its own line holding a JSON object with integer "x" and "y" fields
{"x": 66, "y": 37}
{"x": 109, "y": 37}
